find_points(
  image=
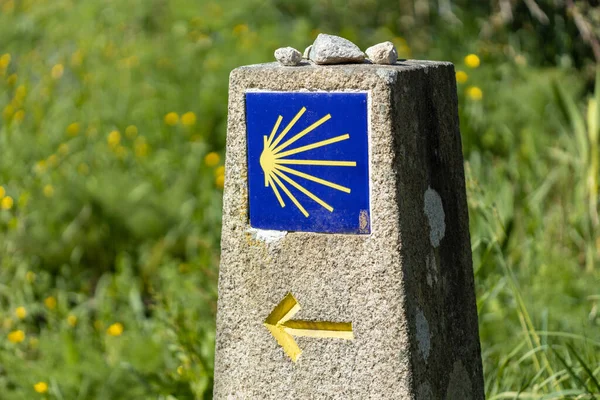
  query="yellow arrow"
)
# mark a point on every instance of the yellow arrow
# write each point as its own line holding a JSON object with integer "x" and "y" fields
{"x": 282, "y": 327}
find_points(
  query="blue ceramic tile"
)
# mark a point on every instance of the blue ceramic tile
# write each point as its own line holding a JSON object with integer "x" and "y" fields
{"x": 308, "y": 161}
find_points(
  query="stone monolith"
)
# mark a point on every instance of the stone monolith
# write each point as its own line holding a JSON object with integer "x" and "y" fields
{"x": 346, "y": 267}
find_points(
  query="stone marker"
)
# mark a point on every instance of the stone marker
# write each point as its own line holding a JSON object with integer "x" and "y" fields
{"x": 346, "y": 263}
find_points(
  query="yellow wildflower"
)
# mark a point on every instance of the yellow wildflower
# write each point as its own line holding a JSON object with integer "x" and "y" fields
{"x": 171, "y": 118}
{"x": 220, "y": 181}
{"x": 63, "y": 148}
{"x": 48, "y": 192}
{"x": 132, "y": 61}
{"x": 141, "y": 148}
{"x": 72, "y": 320}
{"x": 2, "y": 192}
{"x": 240, "y": 29}
{"x": 20, "y": 92}
{"x": 180, "y": 370}
{"x": 220, "y": 171}
{"x": 472, "y": 61}
{"x": 73, "y": 129}
{"x": 41, "y": 387}
{"x": 188, "y": 119}
{"x": 30, "y": 276}
{"x": 16, "y": 336}
{"x": 115, "y": 329}
{"x": 8, "y": 111}
{"x": 50, "y": 302}
{"x": 5, "y": 60}
{"x": 131, "y": 131}
{"x": 21, "y": 312}
{"x": 461, "y": 76}
{"x": 6, "y": 203}
{"x": 52, "y": 160}
{"x": 83, "y": 169}
{"x": 212, "y": 159}
{"x": 114, "y": 138}
{"x": 57, "y": 71}
{"x": 8, "y": 7}
{"x": 19, "y": 116}
{"x": 12, "y": 79}
{"x": 474, "y": 93}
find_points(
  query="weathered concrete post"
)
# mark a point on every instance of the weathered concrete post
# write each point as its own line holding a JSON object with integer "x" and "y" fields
{"x": 345, "y": 195}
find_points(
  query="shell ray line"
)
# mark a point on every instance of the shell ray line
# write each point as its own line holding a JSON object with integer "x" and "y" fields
{"x": 277, "y": 194}
{"x": 274, "y": 131}
{"x": 312, "y": 146}
{"x": 312, "y": 178}
{"x": 266, "y": 143}
{"x": 328, "y": 163}
{"x": 287, "y": 128}
{"x": 303, "y": 190}
{"x": 302, "y": 133}
{"x": 290, "y": 195}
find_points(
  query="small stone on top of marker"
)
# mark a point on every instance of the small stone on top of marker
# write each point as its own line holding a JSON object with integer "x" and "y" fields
{"x": 383, "y": 53}
{"x": 288, "y": 56}
{"x": 330, "y": 49}
{"x": 306, "y": 54}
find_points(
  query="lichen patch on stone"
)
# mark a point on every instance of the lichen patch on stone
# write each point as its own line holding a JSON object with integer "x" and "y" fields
{"x": 431, "y": 268}
{"x": 434, "y": 210}
{"x": 423, "y": 335}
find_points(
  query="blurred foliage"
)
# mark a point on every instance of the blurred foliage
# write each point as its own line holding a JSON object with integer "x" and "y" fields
{"x": 112, "y": 133}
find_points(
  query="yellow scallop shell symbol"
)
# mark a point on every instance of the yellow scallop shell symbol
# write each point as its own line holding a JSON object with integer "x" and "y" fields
{"x": 274, "y": 158}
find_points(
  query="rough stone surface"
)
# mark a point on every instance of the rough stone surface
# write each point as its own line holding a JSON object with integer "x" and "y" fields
{"x": 288, "y": 56}
{"x": 383, "y": 53}
{"x": 377, "y": 281}
{"x": 330, "y": 49}
{"x": 459, "y": 386}
{"x": 306, "y": 54}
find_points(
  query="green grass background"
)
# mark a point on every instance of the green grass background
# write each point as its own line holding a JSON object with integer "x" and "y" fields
{"x": 109, "y": 242}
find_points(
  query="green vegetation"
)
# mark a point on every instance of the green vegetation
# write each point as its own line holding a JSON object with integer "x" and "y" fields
{"x": 111, "y": 144}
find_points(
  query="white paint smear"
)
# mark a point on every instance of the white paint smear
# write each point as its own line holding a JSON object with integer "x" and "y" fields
{"x": 267, "y": 236}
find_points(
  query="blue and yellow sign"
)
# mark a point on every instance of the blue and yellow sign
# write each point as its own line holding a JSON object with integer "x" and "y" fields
{"x": 308, "y": 161}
